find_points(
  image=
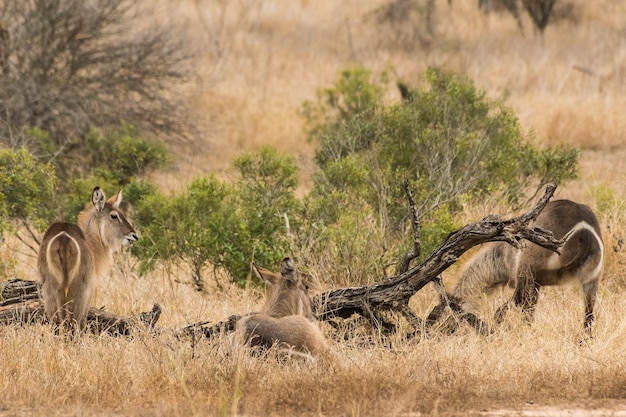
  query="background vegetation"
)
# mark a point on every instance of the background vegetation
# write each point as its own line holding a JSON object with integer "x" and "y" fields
{"x": 306, "y": 118}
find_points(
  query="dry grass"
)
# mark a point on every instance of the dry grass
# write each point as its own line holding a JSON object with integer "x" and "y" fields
{"x": 162, "y": 376}
{"x": 263, "y": 58}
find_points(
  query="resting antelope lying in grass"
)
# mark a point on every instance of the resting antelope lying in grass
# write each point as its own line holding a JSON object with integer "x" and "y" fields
{"x": 532, "y": 267}
{"x": 73, "y": 256}
{"x": 286, "y": 319}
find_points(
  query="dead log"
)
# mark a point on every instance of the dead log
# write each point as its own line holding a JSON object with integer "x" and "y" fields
{"x": 20, "y": 305}
{"x": 209, "y": 330}
{"x": 17, "y": 290}
{"x": 393, "y": 293}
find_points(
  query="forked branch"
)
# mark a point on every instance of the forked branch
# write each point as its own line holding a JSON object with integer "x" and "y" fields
{"x": 393, "y": 293}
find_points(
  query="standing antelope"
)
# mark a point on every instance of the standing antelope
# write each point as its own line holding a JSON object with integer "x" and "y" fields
{"x": 531, "y": 267}
{"x": 286, "y": 319}
{"x": 73, "y": 256}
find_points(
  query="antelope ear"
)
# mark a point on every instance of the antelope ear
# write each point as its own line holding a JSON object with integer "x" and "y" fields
{"x": 98, "y": 198}
{"x": 117, "y": 200}
{"x": 266, "y": 275}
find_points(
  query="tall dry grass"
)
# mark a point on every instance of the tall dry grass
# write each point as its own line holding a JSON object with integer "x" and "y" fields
{"x": 146, "y": 375}
{"x": 263, "y": 58}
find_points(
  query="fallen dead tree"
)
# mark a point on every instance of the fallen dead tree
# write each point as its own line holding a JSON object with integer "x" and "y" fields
{"x": 393, "y": 293}
{"x": 20, "y": 304}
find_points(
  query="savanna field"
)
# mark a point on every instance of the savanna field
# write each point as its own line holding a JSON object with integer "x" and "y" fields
{"x": 260, "y": 61}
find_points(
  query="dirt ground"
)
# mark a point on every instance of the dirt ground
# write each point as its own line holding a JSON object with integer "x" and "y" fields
{"x": 556, "y": 408}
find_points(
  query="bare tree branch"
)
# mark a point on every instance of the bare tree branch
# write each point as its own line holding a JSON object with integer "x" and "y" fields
{"x": 415, "y": 223}
{"x": 397, "y": 290}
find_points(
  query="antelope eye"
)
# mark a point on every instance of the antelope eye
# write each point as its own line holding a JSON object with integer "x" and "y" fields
{"x": 114, "y": 216}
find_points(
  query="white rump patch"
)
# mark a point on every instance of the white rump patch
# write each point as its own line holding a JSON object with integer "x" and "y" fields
{"x": 57, "y": 272}
{"x": 554, "y": 262}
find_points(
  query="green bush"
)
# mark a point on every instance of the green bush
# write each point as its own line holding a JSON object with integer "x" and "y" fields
{"x": 31, "y": 194}
{"x": 225, "y": 226}
{"x": 450, "y": 141}
{"x": 113, "y": 158}
{"x": 267, "y": 202}
{"x": 27, "y": 191}
{"x": 121, "y": 155}
{"x": 192, "y": 227}
{"x": 343, "y": 120}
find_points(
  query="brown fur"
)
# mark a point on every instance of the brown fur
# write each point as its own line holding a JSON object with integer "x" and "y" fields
{"x": 530, "y": 268}
{"x": 287, "y": 294}
{"x": 72, "y": 256}
{"x": 286, "y": 319}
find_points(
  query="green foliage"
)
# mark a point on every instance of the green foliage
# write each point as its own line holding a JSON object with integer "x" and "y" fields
{"x": 113, "y": 159}
{"x": 137, "y": 190}
{"x": 27, "y": 189}
{"x": 153, "y": 218}
{"x": 556, "y": 165}
{"x": 434, "y": 233}
{"x": 121, "y": 155}
{"x": 192, "y": 227}
{"x": 342, "y": 186}
{"x": 213, "y": 223}
{"x": 268, "y": 206}
{"x": 354, "y": 242}
{"x": 450, "y": 141}
{"x": 343, "y": 118}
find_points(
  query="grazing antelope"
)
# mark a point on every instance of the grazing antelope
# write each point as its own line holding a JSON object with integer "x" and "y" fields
{"x": 73, "y": 256}
{"x": 286, "y": 319}
{"x": 531, "y": 267}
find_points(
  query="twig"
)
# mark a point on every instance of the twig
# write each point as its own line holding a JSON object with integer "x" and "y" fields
{"x": 417, "y": 240}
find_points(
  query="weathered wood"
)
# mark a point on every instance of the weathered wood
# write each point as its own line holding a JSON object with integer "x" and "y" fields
{"x": 209, "y": 330}
{"x": 18, "y": 290}
{"x": 415, "y": 223}
{"x": 21, "y": 305}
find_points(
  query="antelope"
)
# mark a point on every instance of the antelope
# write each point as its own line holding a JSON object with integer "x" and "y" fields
{"x": 73, "y": 256}
{"x": 532, "y": 267}
{"x": 286, "y": 320}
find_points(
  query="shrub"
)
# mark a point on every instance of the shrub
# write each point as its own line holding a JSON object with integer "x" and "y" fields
{"x": 193, "y": 227}
{"x": 121, "y": 154}
{"x": 113, "y": 158}
{"x": 450, "y": 141}
{"x": 343, "y": 120}
{"x": 224, "y": 226}
{"x": 268, "y": 204}
{"x": 27, "y": 192}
